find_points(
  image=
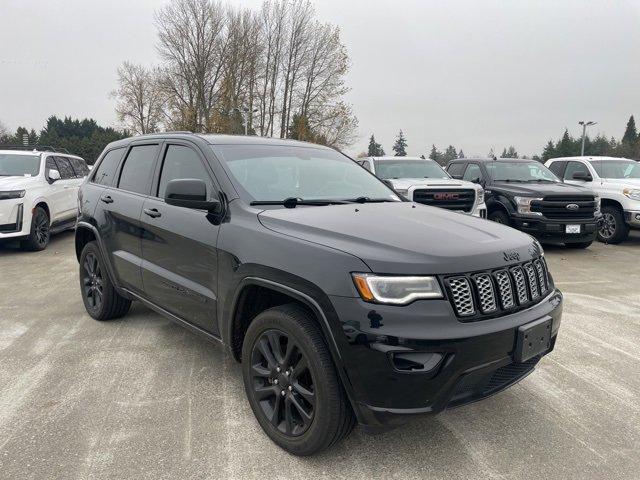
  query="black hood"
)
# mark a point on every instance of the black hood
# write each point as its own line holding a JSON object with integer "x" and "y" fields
{"x": 540, "y": 189}
{"x": 403, "y": 237}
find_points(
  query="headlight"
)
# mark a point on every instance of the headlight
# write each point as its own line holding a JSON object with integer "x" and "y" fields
{"x": 12, "y": 194}
{"x": 395, "y": 290}
{"x": 480, "y": 195}
{"x": 632, "y": 193}
{"x": 596, "y": 198}
{"x": 402, "y": 191}
{"x": 524, "y": 205}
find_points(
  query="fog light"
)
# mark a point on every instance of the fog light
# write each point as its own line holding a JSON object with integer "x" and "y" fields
{"x": 637, "y": 216}
{"x": 415, "y": 361}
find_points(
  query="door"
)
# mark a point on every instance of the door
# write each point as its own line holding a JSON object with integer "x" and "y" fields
{"x": 69, "y": 183}
{"x": 119, "y": 209}
{"x": 473, "y": 173}
{"x": 56, "y": 193}
{"x": 180, "y": 262}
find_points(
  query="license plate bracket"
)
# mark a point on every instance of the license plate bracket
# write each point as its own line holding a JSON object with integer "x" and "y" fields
{"x": 533, "y": 339}
{"x": 572, "y": 228}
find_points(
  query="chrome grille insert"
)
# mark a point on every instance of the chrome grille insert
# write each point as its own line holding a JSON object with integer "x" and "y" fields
{"x": 505, "y": 291}
{"x": 521, "y": 286}
{"x": 486, "y": 293}
{"x": 461, "y": 296}
{"x": 542, "y": 278}
{"x": 532, "y": 280}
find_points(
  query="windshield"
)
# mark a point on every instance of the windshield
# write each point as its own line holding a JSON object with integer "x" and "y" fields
{"x": 617, "y": 168}
{"x": 276, "y": 172}
{"x": 409, "y": 169}
{"x": 520, "y": 172}
{"x": 19, "y": 165}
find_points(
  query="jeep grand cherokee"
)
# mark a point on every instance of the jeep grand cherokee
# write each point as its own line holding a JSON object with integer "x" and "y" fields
{"x": 343, "y": 301}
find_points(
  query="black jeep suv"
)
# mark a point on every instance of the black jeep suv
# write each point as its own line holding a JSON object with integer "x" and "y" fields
{"x": 528, "y": 196}
{"x": 343, "y": 301}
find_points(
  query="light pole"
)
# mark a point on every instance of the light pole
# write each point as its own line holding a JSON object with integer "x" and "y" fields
{"x": 584, "y": 132}
{"x": 244, "y": 114}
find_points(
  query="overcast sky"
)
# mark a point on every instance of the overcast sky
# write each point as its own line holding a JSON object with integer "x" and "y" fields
{"x": 477, "y": 74}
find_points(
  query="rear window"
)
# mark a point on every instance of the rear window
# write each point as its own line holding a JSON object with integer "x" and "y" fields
{"x": 79, "y": 166}
{"x": 107, "y": 168}
{"x": 138, "y": 169}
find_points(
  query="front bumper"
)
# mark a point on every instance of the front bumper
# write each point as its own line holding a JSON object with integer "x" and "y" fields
{"x": 13, "y": 219}
{"x": 473, "y": 360}
{"x": 548, "y": 230}
{"x": 632, "y": 217}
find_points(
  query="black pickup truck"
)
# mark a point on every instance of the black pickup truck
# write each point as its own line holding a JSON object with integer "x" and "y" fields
{"x": 526, "y": 195}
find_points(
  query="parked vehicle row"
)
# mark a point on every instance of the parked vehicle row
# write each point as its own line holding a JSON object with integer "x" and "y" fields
{"x": 425, "y": 181}
{"x": 344, "y": 301}
{"x": 38, "y": 194}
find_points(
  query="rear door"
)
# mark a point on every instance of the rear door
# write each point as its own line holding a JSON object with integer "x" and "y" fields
{"x": 70, "y": 182}
{"x": 180, "y": 261}
{"x": 119, "y": 210}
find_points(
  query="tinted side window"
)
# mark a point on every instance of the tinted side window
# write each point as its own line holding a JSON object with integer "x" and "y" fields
{"x": 138, "y": 169}
{"x": 107, "y": 168}
{"x": 456, "y": 169}
{"x": 182, "y": 162}
{"x": 66, "y": 170}
{"x": 573, "y": 167}
{"x": 79, "y": 166}
{"x": 473, "y": 172}
{"x": 557, "y": 168}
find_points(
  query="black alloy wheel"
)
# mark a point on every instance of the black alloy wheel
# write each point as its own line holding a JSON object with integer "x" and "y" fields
{"x": 92, "y": 281}
{"x": 41, "y": 227}
{"x": 283, "y": 384}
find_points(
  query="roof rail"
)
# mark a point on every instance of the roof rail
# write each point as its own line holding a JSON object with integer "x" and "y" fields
{"x": 39, "y": 148}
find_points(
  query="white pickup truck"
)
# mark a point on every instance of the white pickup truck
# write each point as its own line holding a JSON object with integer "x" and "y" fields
{"x": 616, "y": 181}
{"x": 38, "y": 194}
{"x": 424, "y": 181}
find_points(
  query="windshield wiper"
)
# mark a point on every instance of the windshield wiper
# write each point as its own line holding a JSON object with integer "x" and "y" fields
{"x": 293, "y": 202}
{"x": 368, "y": 200}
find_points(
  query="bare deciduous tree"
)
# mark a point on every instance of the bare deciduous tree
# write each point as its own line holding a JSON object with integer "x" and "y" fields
{"x": 139, "y": 100}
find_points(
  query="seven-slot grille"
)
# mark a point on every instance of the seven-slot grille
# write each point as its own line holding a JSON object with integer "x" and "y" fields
{"x": 451, "y": 198}
{"x": 484, "y": 294}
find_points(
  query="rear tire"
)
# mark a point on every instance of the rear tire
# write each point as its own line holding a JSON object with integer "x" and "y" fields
{"x": 578, "y": 245}
{"x": 101, "y": 300}
{"x": 613, "y": 229}
{"x": 500, "y": 217}
{"x": 39, "y": 233}
{"x": 291, "y": 382}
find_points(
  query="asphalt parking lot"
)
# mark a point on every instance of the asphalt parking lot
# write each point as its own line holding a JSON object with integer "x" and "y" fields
{"x": 144, "y": 398}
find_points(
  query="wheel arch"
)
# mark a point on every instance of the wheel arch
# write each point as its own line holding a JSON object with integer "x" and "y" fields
{"x": 610, "y": 202}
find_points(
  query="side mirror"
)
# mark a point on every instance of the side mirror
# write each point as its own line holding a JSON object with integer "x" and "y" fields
{"x": 584, "y": 176}
{"x": 190, "y": 193}
{"x": 457, "y": 177}
{"x": 476, "y": 180}
{"x": 53, "y": 176}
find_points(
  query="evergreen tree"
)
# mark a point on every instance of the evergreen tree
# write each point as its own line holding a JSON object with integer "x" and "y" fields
{"x": 449, "y": 154}
{"x": 400, "y": 147}
{"x": 491, "y": 153}
{"x": 300, "y": 129}
{"x": 375, "y": 149}
{"x": 435, "y": 154}
{"x": 549, "y": 151}
{"x": 509, "y": 153}
{"x": 460, "y": 154}
{"x": 630, "y": 134}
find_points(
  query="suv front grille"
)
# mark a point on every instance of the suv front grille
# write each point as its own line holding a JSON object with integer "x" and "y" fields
{"x": 487, "y": 294}
{"x": 555, "y": 207}
{"x": 450, "y": 198}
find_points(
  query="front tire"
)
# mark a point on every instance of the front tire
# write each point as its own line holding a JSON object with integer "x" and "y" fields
{"x": 101, "y": 300}
{"x": 500, "y": 217}
{"x": 291, "y": 382}
{"x": 39, "y": 234}
{"x": 613, "y": 229}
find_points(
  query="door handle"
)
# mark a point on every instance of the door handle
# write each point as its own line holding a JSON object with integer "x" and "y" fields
{"x": 152, "y": 212}
{"x": 107, "y": 199}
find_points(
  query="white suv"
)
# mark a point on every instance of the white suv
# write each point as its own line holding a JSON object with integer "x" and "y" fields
{"x": 423, "y": 180}
{"x": 38, "y": 194}
{"x": 616, "y": 181}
